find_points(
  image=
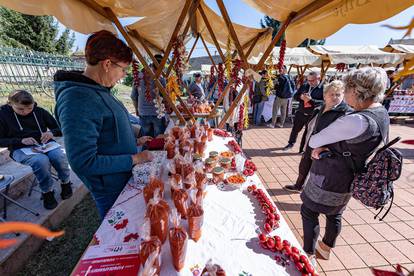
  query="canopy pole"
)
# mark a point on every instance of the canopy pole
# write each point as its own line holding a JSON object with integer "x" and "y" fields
{"x": 259, "y": 65}
{"x": 325, "y": 70}
{"x": 187, "y": 27}
{"x": 232, "y": 32}
{"x": 208, "y": 52}
{"x": 108, "y": 13}
{"x": 192, "y": 48}
{"x": 290, "y": 68}
{"x": 210, "y": 30}
{"x": 253, "y": 43}
{"x": 138, "y": 36}
{"x": 173, "y": 36}
{"x": 210, "y": 93}
{"x": 222, "y": 95}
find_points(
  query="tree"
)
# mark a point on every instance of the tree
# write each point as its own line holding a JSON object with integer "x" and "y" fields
{"x": 38, "y": 33}
{"x": 267, "y": 21}
{"x": 65, "y": 43}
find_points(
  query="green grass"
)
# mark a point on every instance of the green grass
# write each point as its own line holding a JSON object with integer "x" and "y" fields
{"x": 60, "y": 256}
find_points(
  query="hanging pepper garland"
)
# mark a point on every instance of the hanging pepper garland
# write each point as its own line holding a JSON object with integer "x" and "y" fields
{"x": 282, "y": 55}
{"x": 228, "y": 58}
{"x": 246, "y": 111}
{"x": 235, "y": 76}
{"x": 211, "y": 76}
{"x": 180, "y": 65}
{"x": 220, "y": 78}
{"x": 173, "y": 88}
{"x": 240, "y": 123}
{"x": 138, "y": 76}
{"x": 135, "y": 73}
{"x": 269, "y": 85}
{"x": 340, "y": 67}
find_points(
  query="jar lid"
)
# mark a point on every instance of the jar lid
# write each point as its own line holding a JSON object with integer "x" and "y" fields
{"x": 218, "y": 170}
{"x": 213, "y": 154}
{"x": 210, "y": 161}
{"x": 225, "y": 160}
{"x": 197, "y": 156}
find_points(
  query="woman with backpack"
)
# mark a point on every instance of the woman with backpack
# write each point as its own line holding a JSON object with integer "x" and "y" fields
{"x": 339, "y": 151}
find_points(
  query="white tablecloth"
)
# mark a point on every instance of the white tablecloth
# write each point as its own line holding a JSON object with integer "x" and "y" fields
{"x": 231, "y": 221}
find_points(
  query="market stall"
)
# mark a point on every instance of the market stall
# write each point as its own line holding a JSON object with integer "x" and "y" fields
{"x": 233, "y": 218}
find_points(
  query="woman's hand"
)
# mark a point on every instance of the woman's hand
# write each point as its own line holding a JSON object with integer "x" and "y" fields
{"x": 30, "y": 141}
{"x": 142, "y": 157}
{"x": 316, "y": 152}
{"x": 142, "y": 140}
{"x": 46, "y": 136}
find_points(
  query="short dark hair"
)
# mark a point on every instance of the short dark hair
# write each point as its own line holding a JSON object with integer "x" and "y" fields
{"x": 197, "y": 75}
{"x": 21, "y": 97}
{"x": 105, "y": 45}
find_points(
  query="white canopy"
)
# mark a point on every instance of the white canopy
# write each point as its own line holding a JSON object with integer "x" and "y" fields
{"x": 298, "y": 56}
{"x": 364, "y": 54}
{"x": 408, "y": 50}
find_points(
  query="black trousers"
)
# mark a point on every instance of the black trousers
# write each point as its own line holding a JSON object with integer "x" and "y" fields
{"x": 310, "y": 220}
{"x": 301, "y": 119}
{"x": 304, "y": 167}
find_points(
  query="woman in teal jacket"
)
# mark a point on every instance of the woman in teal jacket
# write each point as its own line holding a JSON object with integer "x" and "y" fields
{"x": 99, "y": 141}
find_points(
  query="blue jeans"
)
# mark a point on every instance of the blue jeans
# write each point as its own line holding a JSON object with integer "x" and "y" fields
{"x": 257, "y": 112}
{"x": 152, "y": 126}
{"x": 105, "y": 200}
{"x": 41, "y": 164}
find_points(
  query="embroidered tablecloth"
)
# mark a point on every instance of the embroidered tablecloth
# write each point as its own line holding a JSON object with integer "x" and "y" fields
{"x": 231, "y": 223}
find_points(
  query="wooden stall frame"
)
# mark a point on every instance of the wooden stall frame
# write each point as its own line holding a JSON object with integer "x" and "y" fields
{"x": 110, "y": 15}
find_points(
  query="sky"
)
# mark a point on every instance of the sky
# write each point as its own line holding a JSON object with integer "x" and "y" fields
{"x": 352, "y": 34}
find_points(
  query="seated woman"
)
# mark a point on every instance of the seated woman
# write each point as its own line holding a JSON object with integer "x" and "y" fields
{"x": 99, "y": 139}
{"x": 338, "y": 151}
{"x": 24, "y": 124}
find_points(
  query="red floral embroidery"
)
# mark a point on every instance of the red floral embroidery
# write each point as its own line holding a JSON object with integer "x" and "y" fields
{"x": 121, "y": 225}
{"x": 132, "y": 236}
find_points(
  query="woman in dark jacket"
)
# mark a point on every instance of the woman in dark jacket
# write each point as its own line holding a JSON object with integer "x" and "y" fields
{"x": 99, "y": 139}
{"x": 333, "y": 108}
{"x": 353, "y": 137}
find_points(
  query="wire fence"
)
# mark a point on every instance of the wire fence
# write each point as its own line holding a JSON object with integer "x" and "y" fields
{"x": 31, "y": 70}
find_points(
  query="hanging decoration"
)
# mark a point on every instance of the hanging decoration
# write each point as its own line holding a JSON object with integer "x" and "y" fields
{"x": 147, "y": 81}
{"x": 212, "y": 72}
{"x": 340, "y": 67}
{"x": 269, "y": 85}
{"x": 228, "y": 58}
{"x": 235, "y": 73}
{"x": 246, "y": 111}
{"x": 240, "y": 123}
{"x": 173, "y": 88}
{"x": 181, "y": 63}
{"x": 220, "y": 78}
{"x": 135, "y": 73}
{"x": 282, "y": 55}
{"x": 159, "y": 105}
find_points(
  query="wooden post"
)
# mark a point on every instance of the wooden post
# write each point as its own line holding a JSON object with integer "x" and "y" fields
{"x": 232, "y": 32}
{"x": 208, "y": 52}
{"x": 222, "y": 95}
{"x": 234, "y": 104}
{"x": 325, "y": 70}
{"x": 186, "y": 28}
{"x": 173, "y": 36}
{"x": 139, "y": 38}
{"x": 258, "y": 66}
{"x": 210, "y": 93}
{"x": 249, "y": 51}
{"x": 290, "y": 68}
{"x": 111, "y": 15}
{"x": 210, "y": 30}
{"x": 192, "y": 48}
